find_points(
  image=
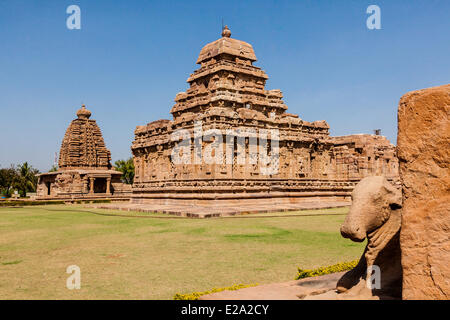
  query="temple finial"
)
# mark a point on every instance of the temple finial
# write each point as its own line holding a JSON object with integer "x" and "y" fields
{"x": 226, "y": 32}
{"x": 83, "y": 113}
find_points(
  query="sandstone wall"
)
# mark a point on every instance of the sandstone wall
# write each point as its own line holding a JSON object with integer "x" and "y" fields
{"x": 424, "y": 155}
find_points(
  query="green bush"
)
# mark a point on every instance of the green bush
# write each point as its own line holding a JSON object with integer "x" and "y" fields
{"x": 339, "y": 267}
{"x": 196, "y": 295}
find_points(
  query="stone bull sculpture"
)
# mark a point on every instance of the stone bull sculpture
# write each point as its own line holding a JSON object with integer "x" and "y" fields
{"x": 375, "y": 214}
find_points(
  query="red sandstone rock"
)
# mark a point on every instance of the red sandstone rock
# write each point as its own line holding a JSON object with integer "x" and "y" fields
{"x": 424, "y": 154}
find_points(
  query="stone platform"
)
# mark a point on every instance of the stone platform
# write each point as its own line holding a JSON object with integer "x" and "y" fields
{"x": 221, "y": 209}
{"x": 322, "y": 287}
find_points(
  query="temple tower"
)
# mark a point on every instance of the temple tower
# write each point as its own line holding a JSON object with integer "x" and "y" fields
{"x": 83, "y": 146}
{"x": 227, "y": 78}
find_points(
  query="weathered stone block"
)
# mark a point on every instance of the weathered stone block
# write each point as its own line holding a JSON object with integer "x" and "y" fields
{"x": 424, "y": 154}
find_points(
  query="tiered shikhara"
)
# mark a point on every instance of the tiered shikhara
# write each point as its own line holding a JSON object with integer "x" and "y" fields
{"x": 228, "y": 92}
{"x": 84, "y": 167}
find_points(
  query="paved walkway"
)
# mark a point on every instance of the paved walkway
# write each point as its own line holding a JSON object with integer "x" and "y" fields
{"x": 322, "y": 287}
{"x": 222, "y": 210}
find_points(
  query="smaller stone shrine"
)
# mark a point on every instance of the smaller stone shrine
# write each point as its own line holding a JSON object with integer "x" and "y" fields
{"x": 84, "y": 167}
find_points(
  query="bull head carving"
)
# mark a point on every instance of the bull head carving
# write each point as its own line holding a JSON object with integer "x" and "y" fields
{"x": 375, "y": 214}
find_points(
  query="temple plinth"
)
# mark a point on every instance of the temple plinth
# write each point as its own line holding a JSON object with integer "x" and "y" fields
{"x": 84, "y": 166}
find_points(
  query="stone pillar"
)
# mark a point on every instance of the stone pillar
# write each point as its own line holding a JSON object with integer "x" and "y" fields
{"x": 91, "y": 185}
{"x": 142, "y": 169}
{"x": 108, "y": 185}
{"x": 85, "y": 183}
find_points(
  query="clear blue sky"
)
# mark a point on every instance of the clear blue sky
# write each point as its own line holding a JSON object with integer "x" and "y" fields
{"x": 130, "y": 58}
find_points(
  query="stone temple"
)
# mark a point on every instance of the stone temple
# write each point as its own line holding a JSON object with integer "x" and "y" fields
{"x": 225, "y": 115}
{"x": 84, "y": 167}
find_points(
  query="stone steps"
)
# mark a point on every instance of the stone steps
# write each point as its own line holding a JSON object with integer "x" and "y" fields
{"x": 222, "y": 210}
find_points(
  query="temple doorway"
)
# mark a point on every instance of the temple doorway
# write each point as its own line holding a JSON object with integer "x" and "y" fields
{"x": 100, "y": 185}
{"x": 49, "y": 186}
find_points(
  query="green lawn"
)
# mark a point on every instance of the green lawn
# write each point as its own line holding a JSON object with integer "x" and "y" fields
{"x": 156, "y": 257}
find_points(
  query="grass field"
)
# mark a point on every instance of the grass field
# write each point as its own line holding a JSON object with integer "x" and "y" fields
{"x": 156, "y": 257}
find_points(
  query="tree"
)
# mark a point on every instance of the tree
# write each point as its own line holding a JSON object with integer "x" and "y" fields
{"x": 26, "y": 179}
{"x": 127, "y": 169}
{"x": 54, "y": 168}
{"x": 8, "y": 178}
